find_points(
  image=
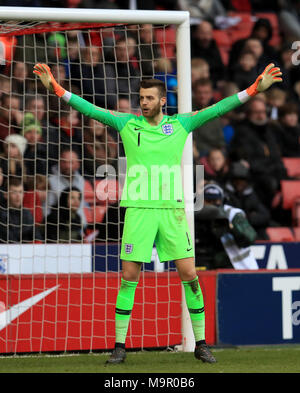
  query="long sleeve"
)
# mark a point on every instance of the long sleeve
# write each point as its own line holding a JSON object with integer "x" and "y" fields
{"x": 196, "y": 119}
{"x": 116, "y": 120}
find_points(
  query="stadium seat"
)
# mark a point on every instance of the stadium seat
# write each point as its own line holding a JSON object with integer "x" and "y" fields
{"x": 94, "y": 215}
{"x": 290, "y": 192}
{"x": 292, "y": 166}
{"x": 223, "y": 41}
{"x": 31, "y": 201}
{"x": 166, "y": 38}
{"x": 280, "y": 234}
{"x": 296, "y": 231}
{"x": 242, "y": 29}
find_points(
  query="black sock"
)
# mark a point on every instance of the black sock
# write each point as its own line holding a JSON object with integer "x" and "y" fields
{"x": 200, "y": 342}
{"x": 120, "y": 345}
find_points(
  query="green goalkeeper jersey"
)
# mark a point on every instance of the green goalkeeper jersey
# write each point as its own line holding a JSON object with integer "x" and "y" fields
{"x": 153, "y": 173}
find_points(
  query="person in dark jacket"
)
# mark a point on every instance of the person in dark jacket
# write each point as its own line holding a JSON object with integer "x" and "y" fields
{"x": 288, "y": 135}
{"x": 203, "y": 45}
{"x": 16, "y": 222}
{"x": 64, "y": 224}
{"x": 240, "y": 193}
{"x": 262, "y": 30}
{"x": 255, "y": 142}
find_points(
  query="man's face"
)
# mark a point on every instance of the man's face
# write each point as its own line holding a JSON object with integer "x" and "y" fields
{"x": 150, "y": 101}
{"x": 203, "y": 95}
{"x": 122, "y": 52}
{"x": 69, "y": 163}
{"x": 258, "y": 113}
{"x": 204, "y": 34}
{"x": 33, "y": 136}
{"x": 10, "y": 103}
{"x": 37, "y": 108}
{"x": 15, "y": 196}
{"x": 74, "y": 200}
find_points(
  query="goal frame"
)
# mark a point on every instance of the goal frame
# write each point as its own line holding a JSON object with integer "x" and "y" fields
{"x": 181, "y": 19}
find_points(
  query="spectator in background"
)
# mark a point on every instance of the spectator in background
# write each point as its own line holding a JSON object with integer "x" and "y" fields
{"x": 275, "y": 99}
{"x": 289, "y": 19}
{"x": 69, "y": 133}
{"x": 223, "y": 233}
{"x": 11, "y": 161}
{"x": 245, "y": 70}
{"x": 35, "y": 198}
{"x": 209, "y": 135}
{"x": 127, "y": 76}
{"x": 16, "y": 222}
{"x": 199, "y": 69}
{"x": 288, "y": 135}
{"x": 240, "y": 193}
{"x": 255, "y": 142}
{"x": 64, "y": 223}
{"x": 35, "y": 155}
{"x": 203, "y": 9}
{"x": 262, "y": 32}
{"x": 216, "y": 166}
{"x": 100, "y": 148}
{"x": 64, "y": 175}
{"x": 164, "y": 71}
{"x": 10, "y": 115}
{"x": 35, "y": 104}
{"x": 5, "y": 85}
{"x": 20, "y": 77}
{"x": 204, "y": 45}
{"x": 98, "y": 84}
{"x": 148, "y": 50}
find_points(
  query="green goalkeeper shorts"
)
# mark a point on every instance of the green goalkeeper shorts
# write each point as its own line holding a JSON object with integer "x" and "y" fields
{"x": 166, "y": 228}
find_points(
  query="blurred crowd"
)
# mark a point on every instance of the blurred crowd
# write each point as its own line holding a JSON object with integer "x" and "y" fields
{"x": 50, "y": 153}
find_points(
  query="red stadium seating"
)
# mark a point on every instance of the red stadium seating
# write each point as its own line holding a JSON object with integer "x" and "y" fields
{"x": 297, "y": 233}
{"x": 290, "y": 192}
{"x": 32, "y": 202}
{"x": 167, "y": 40}
{"x": 292, "y": 166}
{"x": 280, "y": 234}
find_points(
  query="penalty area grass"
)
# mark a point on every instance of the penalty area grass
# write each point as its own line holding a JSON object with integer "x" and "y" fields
{"x": 272, "y": 359}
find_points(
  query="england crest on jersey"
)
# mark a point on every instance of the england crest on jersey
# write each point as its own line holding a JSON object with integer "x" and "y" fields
{"x": 167, "y": 129}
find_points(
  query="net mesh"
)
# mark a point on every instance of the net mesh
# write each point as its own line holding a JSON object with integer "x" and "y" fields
{"x": 60, "y": 220}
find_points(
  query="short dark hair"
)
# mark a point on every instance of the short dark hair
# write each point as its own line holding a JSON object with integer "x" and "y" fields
{"x": 288, "y": 108}
{"x": 202, "y": 82}
{"x": 148, "y": 83}
{"x": 14, "y": 182}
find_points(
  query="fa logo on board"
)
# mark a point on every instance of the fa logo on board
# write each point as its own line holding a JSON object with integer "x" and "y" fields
{"x": 167, "y": 129}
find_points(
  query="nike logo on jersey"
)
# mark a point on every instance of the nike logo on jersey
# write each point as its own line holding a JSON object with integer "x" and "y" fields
{"x": 6, "y": 317}
{"x": 137, "y": 128}
{"x": 188, "y": 249}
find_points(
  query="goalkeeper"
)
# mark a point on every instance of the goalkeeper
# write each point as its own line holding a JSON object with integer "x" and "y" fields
{"x": 153, "y": 195}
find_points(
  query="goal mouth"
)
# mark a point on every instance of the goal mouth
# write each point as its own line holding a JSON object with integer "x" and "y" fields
{"x": 61, "y": 159}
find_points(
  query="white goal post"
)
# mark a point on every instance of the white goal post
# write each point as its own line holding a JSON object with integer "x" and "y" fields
{"x": 181, "y": 20}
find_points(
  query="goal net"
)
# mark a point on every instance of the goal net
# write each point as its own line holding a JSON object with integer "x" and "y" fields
{"x": 61, "y": 178}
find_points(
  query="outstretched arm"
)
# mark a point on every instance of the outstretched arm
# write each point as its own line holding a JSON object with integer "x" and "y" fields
{"x": 266, "y": 79}
{"x": 113, "y": 119}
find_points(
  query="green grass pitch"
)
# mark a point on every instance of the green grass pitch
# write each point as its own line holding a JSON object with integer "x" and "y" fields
{"x": 272, "y": 359}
